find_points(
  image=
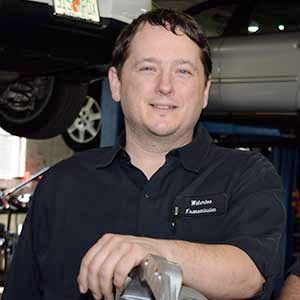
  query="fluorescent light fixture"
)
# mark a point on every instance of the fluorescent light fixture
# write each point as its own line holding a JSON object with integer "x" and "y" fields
{"x": 253, "y": 28}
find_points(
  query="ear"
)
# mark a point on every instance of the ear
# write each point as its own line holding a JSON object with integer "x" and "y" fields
{"x": 206, "y": 92}
{"x": 114, "y": 83}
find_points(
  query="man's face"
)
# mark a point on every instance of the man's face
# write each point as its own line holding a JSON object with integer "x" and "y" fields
{"x": 162, "y": 86}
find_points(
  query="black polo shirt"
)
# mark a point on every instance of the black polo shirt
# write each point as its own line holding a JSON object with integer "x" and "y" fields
{"x": 295, "y": 268}
{"x": 203, "y": 193}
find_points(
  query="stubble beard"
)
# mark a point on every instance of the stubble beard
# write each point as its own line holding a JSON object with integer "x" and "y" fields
{"x": 160, "y": 141}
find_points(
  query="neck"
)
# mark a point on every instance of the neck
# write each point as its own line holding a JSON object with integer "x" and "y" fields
{"x": 149, "y": 154}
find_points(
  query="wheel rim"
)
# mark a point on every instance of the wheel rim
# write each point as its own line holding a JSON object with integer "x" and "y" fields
{"x": 87, "y": 125}
{"x": 24, "y": 100}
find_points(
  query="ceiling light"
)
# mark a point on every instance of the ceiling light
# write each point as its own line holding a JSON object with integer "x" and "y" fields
{"x": 253, "y": 28}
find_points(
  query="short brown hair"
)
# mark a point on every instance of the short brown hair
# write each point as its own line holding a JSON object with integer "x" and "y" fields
{"x": 171, "y": 20}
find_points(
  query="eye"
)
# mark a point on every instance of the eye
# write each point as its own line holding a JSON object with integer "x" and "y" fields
{"x": 184, "y": 72}
{"x": 147, "y": 68}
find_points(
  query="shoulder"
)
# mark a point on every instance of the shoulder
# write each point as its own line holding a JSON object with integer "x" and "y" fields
{"x": 78, "y": 168}
{"x": 242, "y": 159}
{"x": 85, "y": 160}
{"x": 248, "y": 167}
{"x": 70, "y": 178}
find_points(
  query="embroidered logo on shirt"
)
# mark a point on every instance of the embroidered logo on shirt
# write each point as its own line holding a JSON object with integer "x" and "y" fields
{"x": 202, "y": 205}
{"x": 201, "y": 202}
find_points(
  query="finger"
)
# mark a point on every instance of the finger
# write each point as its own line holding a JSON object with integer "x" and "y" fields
{"x": 85, "y": 262}
{"x": 107, "y": 271}
{"x": 132, "y": 258}
{"x": 97, "y": 296}
{"x": 95, "y": 266}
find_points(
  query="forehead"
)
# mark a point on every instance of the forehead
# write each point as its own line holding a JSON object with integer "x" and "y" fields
{"x": 160, "y": 42}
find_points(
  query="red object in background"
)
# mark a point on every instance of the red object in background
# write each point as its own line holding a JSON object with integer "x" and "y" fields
{"x": 296, "y": 203}
{"x": 75, "y": 5}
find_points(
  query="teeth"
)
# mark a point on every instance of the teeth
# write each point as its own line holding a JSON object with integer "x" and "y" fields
{"x": 163, "y": 106}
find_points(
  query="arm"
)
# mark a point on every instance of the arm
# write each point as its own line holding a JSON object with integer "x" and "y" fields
{"x": 24, "y": 276}
{"x": 226, "y": 272}
{"x": 22, "y": 281}
{"x": 291, "y": 288}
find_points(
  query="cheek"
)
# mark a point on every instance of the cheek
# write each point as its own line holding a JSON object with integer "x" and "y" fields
{"x": 193, "y": 96}
{"x": 137, "y": 91}
{"x": 133, "y": 88}
{"x": 193, "y": 105}
{"x": 131, "y": 101}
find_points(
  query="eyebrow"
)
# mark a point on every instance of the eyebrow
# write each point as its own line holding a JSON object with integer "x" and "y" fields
{"x": 177, "y": 62}
{"x": 185, "y": 62}
{"x": 148, "y": 59}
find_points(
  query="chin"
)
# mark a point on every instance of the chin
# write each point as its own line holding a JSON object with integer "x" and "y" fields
{"x": 163, "y": 132}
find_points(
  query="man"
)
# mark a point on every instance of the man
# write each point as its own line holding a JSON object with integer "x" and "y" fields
{"x": 291, "y": 288}
{"x": 166, "y": 189}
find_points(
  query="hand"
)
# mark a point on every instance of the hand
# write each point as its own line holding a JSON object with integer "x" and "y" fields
{"x": 110, "y": 260}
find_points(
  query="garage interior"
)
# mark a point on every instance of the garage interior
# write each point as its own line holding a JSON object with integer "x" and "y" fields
{"x": 275, "y": 137}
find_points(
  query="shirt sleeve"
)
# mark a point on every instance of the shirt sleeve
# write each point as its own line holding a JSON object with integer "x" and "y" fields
{"x": 24, "y": 280}
{"x": 295, "y": 268}
{"x": 257, "y": 219}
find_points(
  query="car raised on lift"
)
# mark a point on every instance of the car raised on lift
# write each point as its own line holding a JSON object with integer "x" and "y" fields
{"x": 50, "y": 52}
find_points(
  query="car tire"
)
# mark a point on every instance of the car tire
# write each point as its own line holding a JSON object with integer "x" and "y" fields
{"x": 85, "y": 131}
{"x": 40, "y": 107}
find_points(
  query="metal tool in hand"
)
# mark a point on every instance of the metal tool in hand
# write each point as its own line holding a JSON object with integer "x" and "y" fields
{"x": 157, "y": 279}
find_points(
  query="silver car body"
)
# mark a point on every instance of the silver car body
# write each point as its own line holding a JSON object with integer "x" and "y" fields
{"x": 256, "y": 72}
{"x": 253, "y": 71}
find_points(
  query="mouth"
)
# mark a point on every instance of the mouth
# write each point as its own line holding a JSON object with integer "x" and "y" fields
{"x": 164, "y": 107}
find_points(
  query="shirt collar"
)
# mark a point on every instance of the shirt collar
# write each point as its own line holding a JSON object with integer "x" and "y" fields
{"x": 108, "y": 154}
{"x": 191, "y": 155}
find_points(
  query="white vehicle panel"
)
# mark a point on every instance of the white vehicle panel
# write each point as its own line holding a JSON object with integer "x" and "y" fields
{"x": 50, "y": 2}
{"x": 122, "y": 10}
{"x": 82, "y": 9}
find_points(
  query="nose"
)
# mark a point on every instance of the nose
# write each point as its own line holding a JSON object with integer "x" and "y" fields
{"x": 165, "y": 84}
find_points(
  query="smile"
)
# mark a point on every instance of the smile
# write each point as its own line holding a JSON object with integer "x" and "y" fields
{"x": 163, "y": 107}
